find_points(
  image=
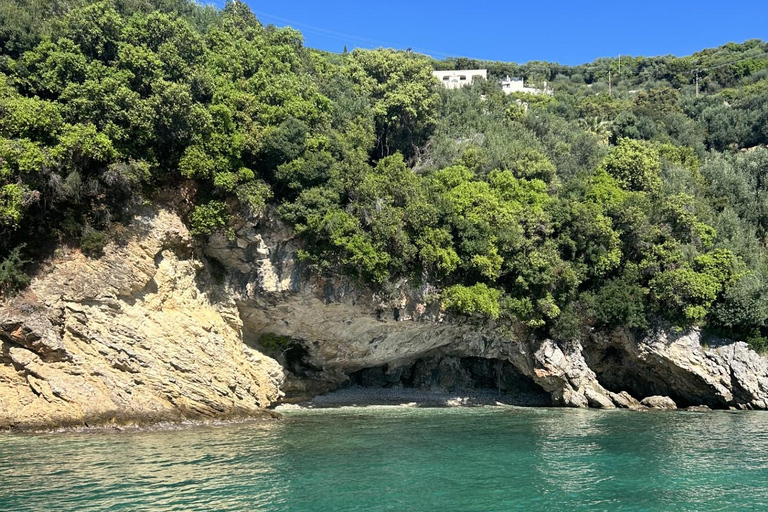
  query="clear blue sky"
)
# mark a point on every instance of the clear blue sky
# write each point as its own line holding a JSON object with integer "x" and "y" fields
{"x": 569, "y": 32}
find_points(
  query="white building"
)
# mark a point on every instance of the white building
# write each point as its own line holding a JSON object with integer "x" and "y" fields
{"x": 510, "y": 85}
{"x": 456, "y": 78}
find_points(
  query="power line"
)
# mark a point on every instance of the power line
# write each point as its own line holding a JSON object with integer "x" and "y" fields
{"x": 368, "y": 41}
{"x": 733, "y": 62}
{"x": 699, "y": 70}
{"x": 375, "y": 42}
{"x": 347, "y": 37}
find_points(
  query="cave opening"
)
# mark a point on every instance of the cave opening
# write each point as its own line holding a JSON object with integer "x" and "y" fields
{"x": 482, "y": 378}
{"x": 616, "y": 371}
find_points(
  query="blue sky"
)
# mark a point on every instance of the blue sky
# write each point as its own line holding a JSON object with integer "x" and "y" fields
{"x": 569, "y": 32}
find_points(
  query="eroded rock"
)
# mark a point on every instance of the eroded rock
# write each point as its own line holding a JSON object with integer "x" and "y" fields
{"x": 139, "y": 335}
{"x": 659, "y": 402}
{"x": 673, "y": 362}
{"x": 625, "y": 401}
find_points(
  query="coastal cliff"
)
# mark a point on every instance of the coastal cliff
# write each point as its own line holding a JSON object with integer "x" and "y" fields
{"x": 139, "y": 335}
{"x": 165, "y": 328}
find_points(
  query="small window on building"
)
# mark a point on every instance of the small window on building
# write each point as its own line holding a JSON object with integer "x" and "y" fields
{"x": 446, "y": 78}
{"x": 462, "y": 77}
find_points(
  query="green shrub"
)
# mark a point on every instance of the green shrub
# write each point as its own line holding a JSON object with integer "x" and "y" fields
{"x": 12, "y": 276}
{"x": 634, "y": 164}
{"x": 621, "y": 303}
{"x": 254, "y": 196}
{"x": 685, "y": 294}
{"x": 469, "y": 300}
{"x": 274, "y": 342}
{"x": 93, "y": 242}
{"x": 11, "y": 204}
{"x": 207, "y": 218}
{"x": 569, "y": 324}
{"x": 758, "y": 343}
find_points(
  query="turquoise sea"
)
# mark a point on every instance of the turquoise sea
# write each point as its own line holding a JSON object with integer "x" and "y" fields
{"x": 403, "y": 459}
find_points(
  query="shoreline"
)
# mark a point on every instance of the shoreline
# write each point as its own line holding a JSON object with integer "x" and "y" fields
{"x": 139, "y": 426}
{"x": 355, "y": 396}
{"x": 358, "y": 396}
{"x": 398, "y": 396}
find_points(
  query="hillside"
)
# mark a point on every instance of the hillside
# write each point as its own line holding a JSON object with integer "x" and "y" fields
{"x": 559, "y": 213}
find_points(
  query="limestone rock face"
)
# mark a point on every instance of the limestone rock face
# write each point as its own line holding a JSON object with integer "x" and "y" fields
{"x": 678, "y": 363}
{"x": 625, "y": 401}
{"x": 161, "y": 328}
{"x": 342, "y": 327}
{"x": 137, "y": 336}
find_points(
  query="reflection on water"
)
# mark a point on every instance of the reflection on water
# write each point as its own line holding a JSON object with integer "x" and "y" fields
{"x": 403, "y": 459}
{"x": 567, "y": 457}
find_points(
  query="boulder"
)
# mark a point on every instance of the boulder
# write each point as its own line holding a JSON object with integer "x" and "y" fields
{"x": 659, "y": 402}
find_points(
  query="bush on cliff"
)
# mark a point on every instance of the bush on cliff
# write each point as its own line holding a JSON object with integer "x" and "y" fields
{"x": 12, "y": 275}
{"x": 469, "y": 300}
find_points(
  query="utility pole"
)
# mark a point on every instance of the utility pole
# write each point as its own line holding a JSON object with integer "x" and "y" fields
{"x": 697, "y": 82}
{"x": 609, "y": 83}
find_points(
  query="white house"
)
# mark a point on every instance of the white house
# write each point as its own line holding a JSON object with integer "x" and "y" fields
{"x": 456, "y": 78}
{"x": 510, "y": 85}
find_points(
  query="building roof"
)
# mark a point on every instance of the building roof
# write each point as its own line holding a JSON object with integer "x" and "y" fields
{"x": 464, "y": 71}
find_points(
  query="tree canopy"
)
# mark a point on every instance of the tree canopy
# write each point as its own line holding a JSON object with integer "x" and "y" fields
{"x": 562, "y": 213}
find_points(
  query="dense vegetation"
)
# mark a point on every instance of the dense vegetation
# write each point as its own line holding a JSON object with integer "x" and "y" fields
{"x": 581, "y": 209}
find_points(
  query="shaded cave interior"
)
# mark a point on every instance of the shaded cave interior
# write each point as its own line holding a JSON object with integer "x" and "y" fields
{"x": 615, "y": 369}
{"x": 438, "y": 373}
{"x": 452, "y": 374}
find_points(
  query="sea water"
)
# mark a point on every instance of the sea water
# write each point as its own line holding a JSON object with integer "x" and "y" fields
{"x": 403, "y": 459}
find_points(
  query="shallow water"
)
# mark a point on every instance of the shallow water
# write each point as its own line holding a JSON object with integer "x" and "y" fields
{"x": 409, "y": 459}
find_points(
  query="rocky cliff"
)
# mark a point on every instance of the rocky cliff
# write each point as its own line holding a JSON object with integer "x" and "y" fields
{"x": 162, "y": 328}
{"x": 140, "y": 335}
{"x": 399, "y": 336}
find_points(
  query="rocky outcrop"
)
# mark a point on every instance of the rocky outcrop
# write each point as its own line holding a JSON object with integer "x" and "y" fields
{"x": 340, "y": 328}
{"x": 137, "y": 336}
{"x": 161, "y": 328}
{"x": 678, "y": 363}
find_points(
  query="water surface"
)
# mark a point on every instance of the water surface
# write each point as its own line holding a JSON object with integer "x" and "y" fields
{"x": 404, "y": 459}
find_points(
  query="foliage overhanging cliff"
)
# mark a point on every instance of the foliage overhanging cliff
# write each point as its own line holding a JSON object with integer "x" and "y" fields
{"x": 583, "y": 208}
